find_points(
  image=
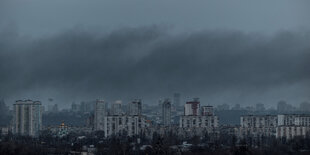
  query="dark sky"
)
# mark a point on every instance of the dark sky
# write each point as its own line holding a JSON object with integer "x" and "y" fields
{"x": 221, "y": 51}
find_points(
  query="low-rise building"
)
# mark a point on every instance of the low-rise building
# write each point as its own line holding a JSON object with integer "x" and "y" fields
{"x": 126, "y": 124}
{"x": 257, "y": 125}
{"x": 290, "y": 132}
{"x": 292, "y": 125}
{"x": 294, "y": 119}
{"x": 258, "y": 121}
{"x": 199, "y": 121}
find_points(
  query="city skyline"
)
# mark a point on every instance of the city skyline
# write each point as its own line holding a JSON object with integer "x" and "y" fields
{"x": 154, "y": 77}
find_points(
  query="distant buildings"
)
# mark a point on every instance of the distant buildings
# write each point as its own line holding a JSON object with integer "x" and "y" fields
{"x": 74, "y": 107}
{"x": 260, "y": 107}
{"x": 176, "y": 99}
{"x": 116, "y": 108}
{"x": 166, "y": 112}
{"x": 52, "y": 108}
{"x": 135, "y": 107}
{"x": 27, "y": 118}
{"x": 90, "y": 121}
{"x": 304, "y": 106}
{"x": 4, "y": 114}
{"x": 236, "y": 107}
{"x": 3, "y": 108}
{"x": 282, "y": 106}
{"x": 83, "y": 107}
{"x": 86, "y": 107}
{"x": 223, "y": 107}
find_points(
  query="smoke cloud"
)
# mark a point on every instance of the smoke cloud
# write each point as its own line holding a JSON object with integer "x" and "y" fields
{"x": 149, "y": 63}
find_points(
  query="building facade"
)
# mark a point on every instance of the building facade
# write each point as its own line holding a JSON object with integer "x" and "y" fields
{"x": 257, "y": 125}
{"x": 258, "y": 121}
{"x": 116, "y": 108}
{"x": 166, "y": 113}
{"x": 294, "y": 119}
{"x": 27, "y": 119}
{"x": 199, "y": 121}
{"x": 135, "y": 107}
{"x": 194, "y": 117}
{"x": 207, "y": 111}
{"x": 290, "y": 132}
{"x": 292, "y": 125}
{"x": 192, "y": 108}
{"x": 100, "y": 113}
{"x": 176, "y": 99}
{"x": 128, "y": 125}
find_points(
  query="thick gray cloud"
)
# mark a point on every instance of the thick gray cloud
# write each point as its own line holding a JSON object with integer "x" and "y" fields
{"x": 150, "y": 62}
{"x": 39, "y": 17}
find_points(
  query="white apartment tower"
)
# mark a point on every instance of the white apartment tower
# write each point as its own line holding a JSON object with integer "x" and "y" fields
{"x": 191, "y": 108}
{"x": 100, "y": 114}
{"x": 27, "y": 119}
{"x": 193, "y": 119}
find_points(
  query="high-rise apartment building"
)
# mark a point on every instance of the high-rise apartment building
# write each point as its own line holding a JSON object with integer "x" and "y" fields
{"x": 100, "y": 114}
{"x": 193, "y": 119}
{"x": 191, "y": 108}
{"x": 166, "y": 113}
{"x": 27, "y": 119}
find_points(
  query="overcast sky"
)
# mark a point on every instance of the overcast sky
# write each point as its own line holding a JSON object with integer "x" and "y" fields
{"x": 222, "y": 51}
